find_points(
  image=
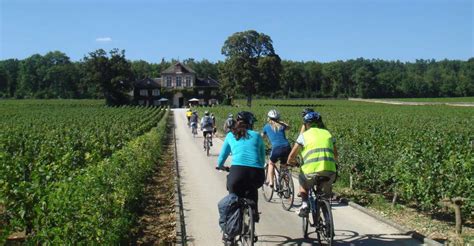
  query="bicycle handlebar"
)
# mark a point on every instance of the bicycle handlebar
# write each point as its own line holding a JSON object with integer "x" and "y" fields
{"x": 224, "y": 168}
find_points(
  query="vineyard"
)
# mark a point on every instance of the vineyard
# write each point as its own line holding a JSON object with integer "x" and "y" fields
{"x": 73, "y": 170}
{"x": 420, "y": 154}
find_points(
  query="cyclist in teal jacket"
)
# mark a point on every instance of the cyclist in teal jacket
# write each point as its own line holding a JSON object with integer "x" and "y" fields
{"x": 246, "y": 174}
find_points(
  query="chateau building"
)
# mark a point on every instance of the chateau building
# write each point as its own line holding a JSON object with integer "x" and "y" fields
{"x": 175, "y": 87}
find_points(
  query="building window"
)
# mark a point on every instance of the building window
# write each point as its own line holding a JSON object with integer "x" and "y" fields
{"x": 201, "y": 92}
{"x": 178, "y": 81}
{"x": 143, "y": 92}
{"x": 188, "y": 81}
{"x": 168, "y": 81}
{"x": 156, "y": 92}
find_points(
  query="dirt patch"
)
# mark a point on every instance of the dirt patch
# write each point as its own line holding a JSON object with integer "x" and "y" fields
{"x": 157, "y": 221}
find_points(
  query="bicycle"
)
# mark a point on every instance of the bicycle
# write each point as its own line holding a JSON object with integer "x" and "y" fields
{"x": 194, "y": 129}
{"x": 207, "y": 145}
{"x": 320, "y": 216}
{"x": 283, "y": 185}
{"x": 247, "y": 234}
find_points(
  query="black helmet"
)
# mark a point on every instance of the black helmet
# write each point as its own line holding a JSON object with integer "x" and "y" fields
{"x": 306, "y": 110}
{"x": 311, "y": 117}
{"x": 246, "y": 117}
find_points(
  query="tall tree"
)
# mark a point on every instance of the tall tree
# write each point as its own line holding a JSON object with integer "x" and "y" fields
{"x": 113, "y": 74}
{"x": 243, "y": 50}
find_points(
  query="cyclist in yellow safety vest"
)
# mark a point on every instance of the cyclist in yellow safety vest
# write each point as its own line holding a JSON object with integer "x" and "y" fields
{"x": 188, "y": 114}
{"x": 319, "y": 157}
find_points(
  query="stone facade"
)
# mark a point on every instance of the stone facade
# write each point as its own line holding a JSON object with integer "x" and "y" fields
{"x": 177, "y": 84}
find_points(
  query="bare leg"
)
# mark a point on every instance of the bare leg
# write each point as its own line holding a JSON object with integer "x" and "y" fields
{"x": 271, "y": 171}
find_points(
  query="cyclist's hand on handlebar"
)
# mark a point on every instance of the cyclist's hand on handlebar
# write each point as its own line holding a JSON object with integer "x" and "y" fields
{"x": 223, "y": 168}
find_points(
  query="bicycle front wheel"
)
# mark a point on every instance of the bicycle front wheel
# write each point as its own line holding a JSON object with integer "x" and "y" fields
{"x": 326, "y": 224}
{"x": 267, "y": 190}
{"x": 247, "y": 236}
{"x": 287, "y": 190}
{"x": 208, "y": 146}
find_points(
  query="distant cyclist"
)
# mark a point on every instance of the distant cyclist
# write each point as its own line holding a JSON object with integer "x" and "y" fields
{"x": 248, "y": 158}
{"x": 206, "y": 127}
{"x": 319, "y": 157}
{"x": 229, "y": 123}
{"x": 274, "y": 130}
{"x": 194, "y": 119}
{"x": 188, "y": 115}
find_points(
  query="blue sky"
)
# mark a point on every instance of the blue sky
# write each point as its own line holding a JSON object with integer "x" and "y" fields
{"x": 301, "y": 30}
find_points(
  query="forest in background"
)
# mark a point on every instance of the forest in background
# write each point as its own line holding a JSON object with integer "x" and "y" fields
{"x": 54, "y": 75}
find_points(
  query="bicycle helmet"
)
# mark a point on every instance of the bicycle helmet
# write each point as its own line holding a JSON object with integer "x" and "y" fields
{"x": 273, "y": 114}
{"x": 206, "y": 112}
{"x": 306, "y": 110}
{"x": 230, "y": 116}
{"x": 311, "y": 117}
{"x": 246, "y": 117}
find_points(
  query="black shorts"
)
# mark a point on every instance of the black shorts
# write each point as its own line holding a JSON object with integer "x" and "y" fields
{"x": 280, "y": 154}
{"x": 206, "y": 132}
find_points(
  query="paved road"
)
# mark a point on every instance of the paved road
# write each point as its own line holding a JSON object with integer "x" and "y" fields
{"x": 203, "y": 187}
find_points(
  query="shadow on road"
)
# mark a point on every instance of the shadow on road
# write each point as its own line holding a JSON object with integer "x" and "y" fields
{"x": 342, "y": 237}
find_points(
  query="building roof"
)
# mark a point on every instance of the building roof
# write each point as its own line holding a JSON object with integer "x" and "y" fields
{"x": 207, "y": 82}
{"x": 178, "y": 68}
{"x": 148, "y": 83}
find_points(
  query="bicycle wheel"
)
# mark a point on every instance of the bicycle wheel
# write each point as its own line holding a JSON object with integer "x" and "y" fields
{"x": 248, "y": 227}
{"x": 267, "y": 190}
{"x": 308, "y": 221}
{"x": 208, "y": 145}
{"x": 287, "y": 190}
{"x": 325, "y": 228}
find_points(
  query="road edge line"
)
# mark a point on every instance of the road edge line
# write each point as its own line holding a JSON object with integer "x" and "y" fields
{"x": 180, "y": 223}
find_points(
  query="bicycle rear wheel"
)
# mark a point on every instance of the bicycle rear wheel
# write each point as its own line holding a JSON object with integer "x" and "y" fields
{"x": 267, "y": 190}
{"x": 325, "y": 228}
{"x": 287, "y": 190}
{"x": 208, "y": 145}
{"x": 308, "y": 221}
{"x": 248, "y": 227}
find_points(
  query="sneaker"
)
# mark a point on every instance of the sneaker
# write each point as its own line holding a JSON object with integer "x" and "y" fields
{"x": 210, "y": 144}
{"x": 303, "y": 211}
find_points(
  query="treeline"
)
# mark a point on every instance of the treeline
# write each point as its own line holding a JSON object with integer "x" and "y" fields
{"x": 377, "y": 78}
{"x": 110, "y": 75}
{"x": 99, "y": 74}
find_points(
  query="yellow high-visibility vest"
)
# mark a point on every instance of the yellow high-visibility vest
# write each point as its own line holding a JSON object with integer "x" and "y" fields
{"x": 318, "y": 151}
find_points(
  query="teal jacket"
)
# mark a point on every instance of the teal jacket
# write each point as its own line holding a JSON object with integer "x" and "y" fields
{"x": 248, "y": 152}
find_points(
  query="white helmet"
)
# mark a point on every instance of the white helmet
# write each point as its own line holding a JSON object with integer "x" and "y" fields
{"x": 273, "y": 114}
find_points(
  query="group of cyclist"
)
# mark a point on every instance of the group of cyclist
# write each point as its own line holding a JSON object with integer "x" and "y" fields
{"x": 247, "y": 175}
{"x": 207, "y": 123}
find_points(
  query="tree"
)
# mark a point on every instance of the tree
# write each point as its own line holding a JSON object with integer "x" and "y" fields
{"x": 113, "y": 75}
{"x": 364, "y": 78}
{"x": 11, "y": 68}
{"x": 243, "y": 51}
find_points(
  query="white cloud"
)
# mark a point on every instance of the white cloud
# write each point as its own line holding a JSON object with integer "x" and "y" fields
{"x": 104, "y": 39}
